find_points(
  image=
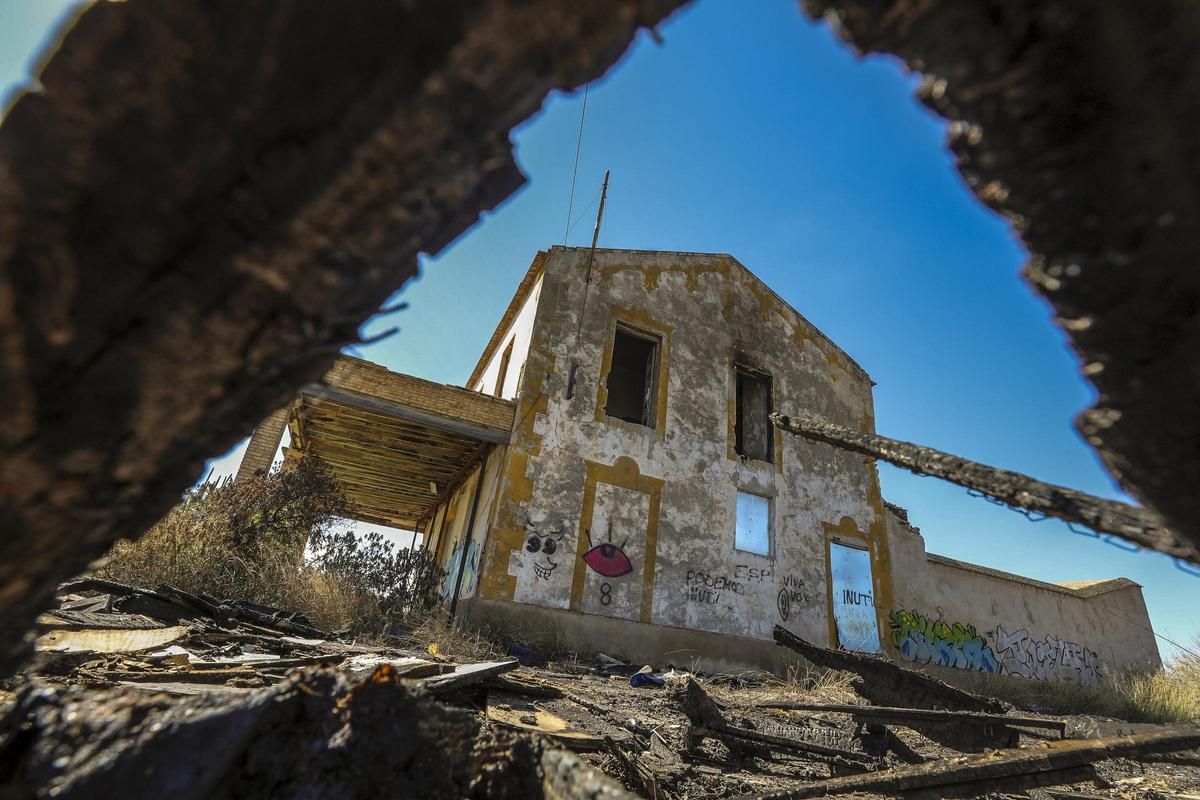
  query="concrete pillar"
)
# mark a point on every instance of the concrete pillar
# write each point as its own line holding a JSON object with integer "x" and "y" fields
{"x": 263, "y": 444}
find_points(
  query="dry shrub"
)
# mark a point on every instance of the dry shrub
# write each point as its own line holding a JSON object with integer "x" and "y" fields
{"x": 455, "y": 642}
{"x": 278, "y": 540}
{"x": 801, "y": 684}
{"x": 1169, "y": 695}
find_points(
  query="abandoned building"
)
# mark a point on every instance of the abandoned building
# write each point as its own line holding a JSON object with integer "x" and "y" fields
{"x": 609, "y": 480}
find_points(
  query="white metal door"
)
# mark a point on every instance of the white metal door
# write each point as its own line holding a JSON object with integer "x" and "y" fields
{"x": 853, "y": 598}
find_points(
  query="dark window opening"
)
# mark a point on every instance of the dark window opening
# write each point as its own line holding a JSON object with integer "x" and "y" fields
{"x": 754, "y": 435}
{"x": 631, "y": 378}
{"x": 504, "y": 359}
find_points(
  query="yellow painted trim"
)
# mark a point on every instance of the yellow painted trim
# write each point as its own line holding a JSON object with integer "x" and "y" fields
{"x": 642, "y": 322}
{"x": 847, "y": 533}
{"x": 516, "y": 489}
{"x": 624, "y": 474}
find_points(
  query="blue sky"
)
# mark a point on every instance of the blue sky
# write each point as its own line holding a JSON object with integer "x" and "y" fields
{"x": 753, "y": 131}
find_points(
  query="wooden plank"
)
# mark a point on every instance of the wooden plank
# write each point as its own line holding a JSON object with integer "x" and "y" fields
{"x": 463, "y": 427}
{"x": 900, "y": 715}
{"x": 467, "y": 675}
{"x": 111, "y": 640}
{"x": 707, "y": 720}
{"x": 376, "y": 429}
{"x": 1006, "y": 770}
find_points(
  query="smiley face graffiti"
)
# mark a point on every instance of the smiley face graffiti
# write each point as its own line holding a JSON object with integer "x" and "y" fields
{"x": 545, "y": 543}
{"x": 608, "y": 559}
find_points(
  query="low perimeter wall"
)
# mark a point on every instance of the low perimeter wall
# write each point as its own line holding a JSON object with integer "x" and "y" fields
{"x": 633, "y": 642}
{"x": 953, "y": 616}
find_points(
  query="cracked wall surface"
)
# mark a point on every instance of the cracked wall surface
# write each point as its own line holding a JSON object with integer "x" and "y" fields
{"x": 643, "y": 517}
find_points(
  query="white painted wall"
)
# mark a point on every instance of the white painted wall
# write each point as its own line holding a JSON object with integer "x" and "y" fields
{"x": 519, "y": 333}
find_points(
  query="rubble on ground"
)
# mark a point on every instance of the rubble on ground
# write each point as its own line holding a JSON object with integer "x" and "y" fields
{"x": 166, "y": 693}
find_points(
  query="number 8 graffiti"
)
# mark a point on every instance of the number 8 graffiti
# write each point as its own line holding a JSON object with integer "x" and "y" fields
{"x": 605, "y": 593}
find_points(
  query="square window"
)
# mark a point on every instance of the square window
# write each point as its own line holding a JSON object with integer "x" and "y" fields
{"x": 753, "y": 533}
{"x": 754, "y": 435}
{"x": 631, "y": 377}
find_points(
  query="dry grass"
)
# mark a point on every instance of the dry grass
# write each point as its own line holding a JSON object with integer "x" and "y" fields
{"x": 454, "y": 642}
{"x": 246, "y": 540}
{"x": 1169, "y": 695}
{"x": 802, "y": 684}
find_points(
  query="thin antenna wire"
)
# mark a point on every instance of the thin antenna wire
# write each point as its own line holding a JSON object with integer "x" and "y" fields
{"x": 575, "y": 171}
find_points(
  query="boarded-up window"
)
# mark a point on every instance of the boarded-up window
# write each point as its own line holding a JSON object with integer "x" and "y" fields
{"x": 754, "y": 436}
{"x": 504, "y": 359}
{"x": 630, "y": 381}
{"x": 753, "y": 532}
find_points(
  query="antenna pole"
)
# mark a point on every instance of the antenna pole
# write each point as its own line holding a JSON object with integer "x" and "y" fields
{"x": 587, "y": 283}
{"x": 596, "y": 234}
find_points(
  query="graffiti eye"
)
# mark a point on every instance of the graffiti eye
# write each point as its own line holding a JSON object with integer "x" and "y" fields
{"x": 534, "y": 544}
{"x": 609, "y": 560}
{"x": 549, "y": 546}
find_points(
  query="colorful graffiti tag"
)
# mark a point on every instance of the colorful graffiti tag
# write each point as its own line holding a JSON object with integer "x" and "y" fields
{"x": 925, "y": 641}
{"x": 928, "y": 641}
{"x": 469, "y": 574}
{"x": 1049, "y": 659}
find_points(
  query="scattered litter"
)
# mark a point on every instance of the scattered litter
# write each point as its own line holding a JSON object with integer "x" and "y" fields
{"x": 645, "y": 677}
{"x": 522, "y": 654}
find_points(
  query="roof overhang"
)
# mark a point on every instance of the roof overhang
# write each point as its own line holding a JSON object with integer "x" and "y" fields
{"x": 398, "y": 445}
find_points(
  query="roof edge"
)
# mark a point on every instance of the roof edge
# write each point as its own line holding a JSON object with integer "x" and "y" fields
{"x": 820, "y": 333}
{"x": 1091, "y": 589}
{"x": 536, "y": 268}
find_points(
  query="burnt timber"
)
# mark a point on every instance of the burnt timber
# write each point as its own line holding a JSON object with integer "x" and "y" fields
{"x": 1001, "y": 770}
{"x": 1138, "y": 525}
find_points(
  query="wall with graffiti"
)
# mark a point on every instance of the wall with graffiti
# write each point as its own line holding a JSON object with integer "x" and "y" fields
{"x": 941, "y": 643}
{"x": 922, "y": 640}
{"x": 448, "y": 536}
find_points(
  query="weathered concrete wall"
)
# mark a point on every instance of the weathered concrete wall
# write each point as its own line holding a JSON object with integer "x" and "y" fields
{"x": 633, "y": 642}
{"x": 961, "y": 616}
{"x": 519, "y": 333}
{"x": 664, "y": 497}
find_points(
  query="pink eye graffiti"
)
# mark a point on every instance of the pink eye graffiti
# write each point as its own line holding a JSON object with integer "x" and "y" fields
{"x": 608, "y": 559}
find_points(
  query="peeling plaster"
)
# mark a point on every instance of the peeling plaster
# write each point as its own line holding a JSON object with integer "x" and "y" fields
{"x": 709, "y": 311}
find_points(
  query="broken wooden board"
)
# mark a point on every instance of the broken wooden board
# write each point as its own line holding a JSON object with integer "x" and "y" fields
{"x": 184, "y": 689}
{"x": 965, "y": 731}
{"x": 59, "y": 618}
{"x": 1044, "y": 764}
{"x": 411, "y": 667}
{"x": 468, "y": 674}
{"x": 902, "y": 715}
{"x": 707, "y": 720}
{"x": 109, "y": 640}
{"x": 533, "y": 688}
{"x": 885, "y": 683}
{"x": 518, "y": 713}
